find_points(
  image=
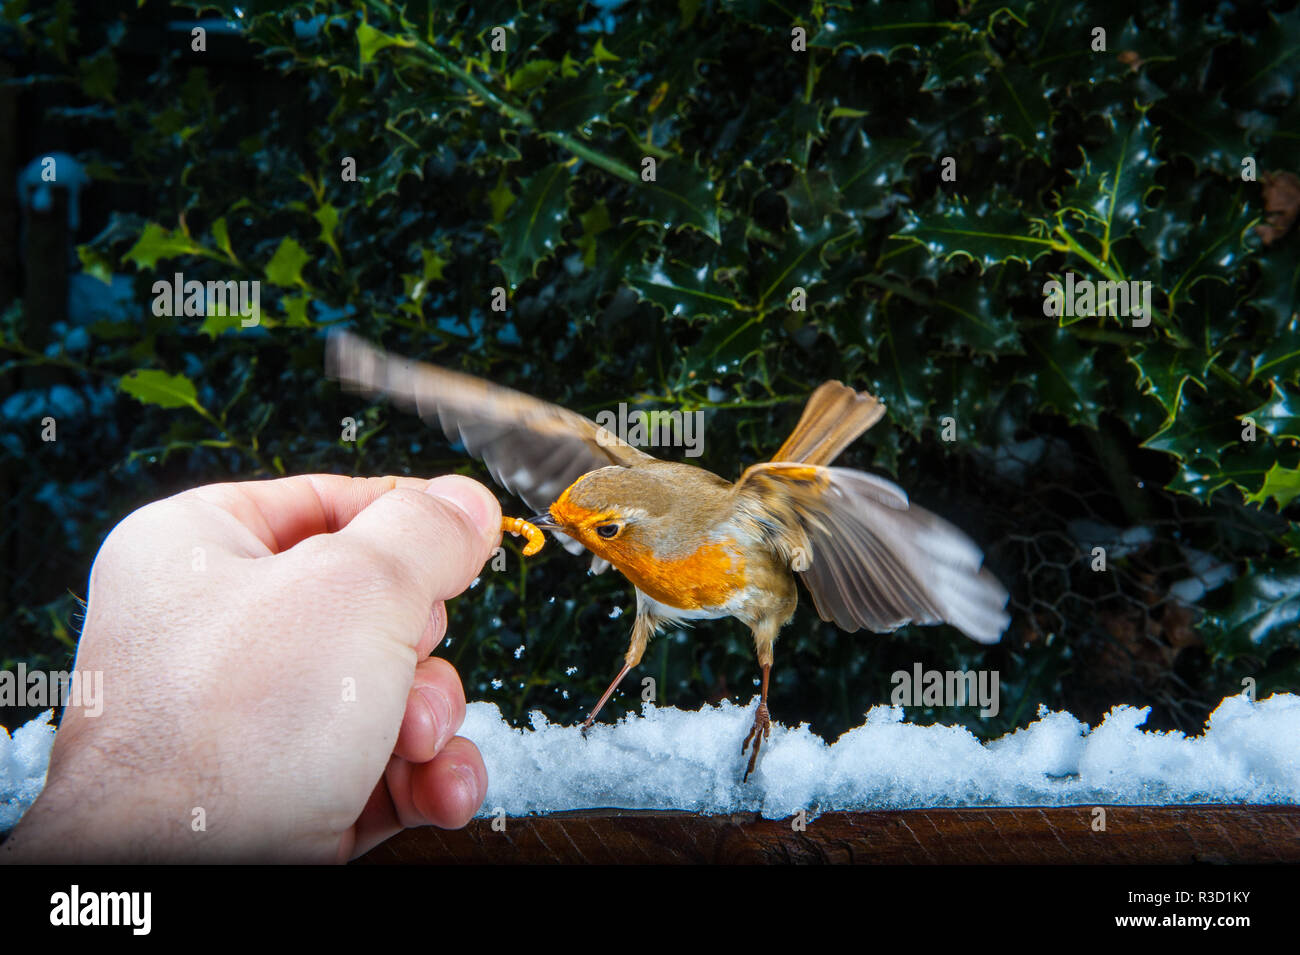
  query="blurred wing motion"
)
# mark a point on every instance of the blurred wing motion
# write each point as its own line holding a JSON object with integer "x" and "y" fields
{"x": 876, "y": 561}
{"x": 532, "y": 448}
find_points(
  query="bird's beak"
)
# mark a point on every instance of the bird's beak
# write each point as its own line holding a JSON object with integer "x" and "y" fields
{"x": 543, "y": 522}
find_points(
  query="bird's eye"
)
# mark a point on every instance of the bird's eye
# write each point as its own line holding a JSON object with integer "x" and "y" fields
{"x": 608, "y": 531}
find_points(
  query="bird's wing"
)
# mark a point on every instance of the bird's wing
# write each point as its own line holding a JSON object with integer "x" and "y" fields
{"x": 877, "y": 561}
{"x": 531, "y": 447}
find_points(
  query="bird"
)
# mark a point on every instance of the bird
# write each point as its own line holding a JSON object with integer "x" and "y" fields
{"x": 694, "y": 545}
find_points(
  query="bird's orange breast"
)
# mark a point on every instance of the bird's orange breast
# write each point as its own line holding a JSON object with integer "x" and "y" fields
{"x": 707, "y": 578}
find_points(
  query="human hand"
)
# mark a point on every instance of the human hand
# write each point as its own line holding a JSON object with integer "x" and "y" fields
{"x": 268, "y": 690}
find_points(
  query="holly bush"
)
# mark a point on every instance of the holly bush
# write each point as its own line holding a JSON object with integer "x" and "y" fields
{"x": 710, "y": 206}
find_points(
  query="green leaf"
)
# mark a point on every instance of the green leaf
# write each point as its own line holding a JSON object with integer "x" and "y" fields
{"x": 1200, "y": 429}
{"x": 285, "y": 267}
{"x": 500, "y": 199}
{"x": 725, "y": 347}
{"x": 1281, "y": 484}
{"x": 95, "y": 263}
{"x": 579, "y": 102}
{"x": 99, "y": 75}
{"x": 594, "y": 221}
{"x": 1280, "y": 415}
{"x": 531, "y": 75}
{"x": 295, "y": 308}
{"x": 221, "y": 236}
{"x": 328, "y": 218}
{"x": 1281, "y": 358}
{"x": 158, "y": 243}
{"x": 681, "y": 195}
{"x": 799, "y": 263}
{"x": 866, "y": 173}
{"x": 1162, "y": 372}
{"x": 680, "y": 291}
{"x": 989, "y": 237}
{"x": 215, "y": 325}
{"x": 1265, "y": 604}
{"x": 1108, "y": 198}
{"x": 153, "y": 387}
{"x": 878, "y": 28}
{"x": 1065, "y": 378}
{"x": 971, "y": 317}
{"x": 371, "y": 41}
{"x": 533, "y": 229}
{"x": 1018, "y": 108}
{"x": 1204, "y": 130}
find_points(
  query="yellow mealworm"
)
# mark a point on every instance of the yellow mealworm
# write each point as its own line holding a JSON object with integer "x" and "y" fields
{"x": 521, "y": 528}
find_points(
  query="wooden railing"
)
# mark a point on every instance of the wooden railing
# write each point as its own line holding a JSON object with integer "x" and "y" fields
{"x": 1132, "y": 834}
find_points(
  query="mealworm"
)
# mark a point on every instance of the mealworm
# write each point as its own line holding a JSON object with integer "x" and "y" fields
{"x": 521, "y": 528}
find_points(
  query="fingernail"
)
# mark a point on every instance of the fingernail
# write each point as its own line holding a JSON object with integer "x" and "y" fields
{"x": 469, "y": 786}
{"x": 440, "y": 707}
{"x": 472, "y": 498}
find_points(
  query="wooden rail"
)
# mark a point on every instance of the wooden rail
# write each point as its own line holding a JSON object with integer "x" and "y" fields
{"x": 1133, "y": 834}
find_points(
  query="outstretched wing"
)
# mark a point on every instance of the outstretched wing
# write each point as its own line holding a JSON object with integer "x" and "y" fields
{"x": 531, "y": 447}
{"x": 875, "y": 560}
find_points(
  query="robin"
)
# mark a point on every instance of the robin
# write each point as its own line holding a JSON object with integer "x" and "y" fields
{"x": 696, "y": 546}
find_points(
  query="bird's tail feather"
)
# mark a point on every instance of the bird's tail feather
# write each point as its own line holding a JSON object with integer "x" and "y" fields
{"x": 832, "y": 419}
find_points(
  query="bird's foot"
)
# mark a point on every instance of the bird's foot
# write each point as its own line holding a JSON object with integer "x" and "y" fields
{"x": 761, "y": 730}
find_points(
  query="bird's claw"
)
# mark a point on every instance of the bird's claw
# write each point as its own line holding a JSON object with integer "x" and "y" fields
{"x": 760, "y": 731}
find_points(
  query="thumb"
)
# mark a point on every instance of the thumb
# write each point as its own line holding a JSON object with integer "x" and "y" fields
{"x": 437, "y": 539}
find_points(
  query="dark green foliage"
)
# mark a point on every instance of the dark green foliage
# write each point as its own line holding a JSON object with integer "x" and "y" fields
{"x": 821, "y": 169}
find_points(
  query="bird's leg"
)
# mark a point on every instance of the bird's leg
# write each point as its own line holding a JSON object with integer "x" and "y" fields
{"x": 762, "y": 728}
{"x": 642, "y": 630}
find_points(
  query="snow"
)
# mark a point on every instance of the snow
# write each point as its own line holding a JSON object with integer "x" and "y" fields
{"x": 23, "y": 759}
{"x": 676, "y": 759}
{"x": 679, "y": 759}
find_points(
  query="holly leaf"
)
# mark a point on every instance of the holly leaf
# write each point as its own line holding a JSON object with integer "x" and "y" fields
{"x": 1162, "y": 372}
{"x": 578, "y": 102}
{"x": 152, "y": 387}
{"x": 1265, "y": 604}
{"x": 1279, "y": 416}
{"x": 682, "y": 292}
{"x": 1108, "y": 197}
{"x": 799, "y": 263}
{"x": 285, "y": 267}
{"x": 725, "y": 347}
{"x": 972, "y": 317}
{"x": 158, "y": 243}
{"x": 370, "y": 41}
{"x": 681, "y": 194}
{"x": 1018, "y": 109}
{"x": 876, "y": 28}
{"x": 534, "y": 227}
{"x": 988, "y": 236}
{"x": 1280, "y": 484}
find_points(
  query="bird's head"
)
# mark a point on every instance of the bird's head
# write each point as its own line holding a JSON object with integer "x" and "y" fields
{"x": 617, "y": 513}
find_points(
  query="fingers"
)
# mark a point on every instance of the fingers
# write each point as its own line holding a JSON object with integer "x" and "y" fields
{"x": 435, "y": 710}
{"x": 434, "y": 630}
{"x": 437, "y": 540}
{"x": 444, "y": 792}
{"x": 282, "y": 512}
